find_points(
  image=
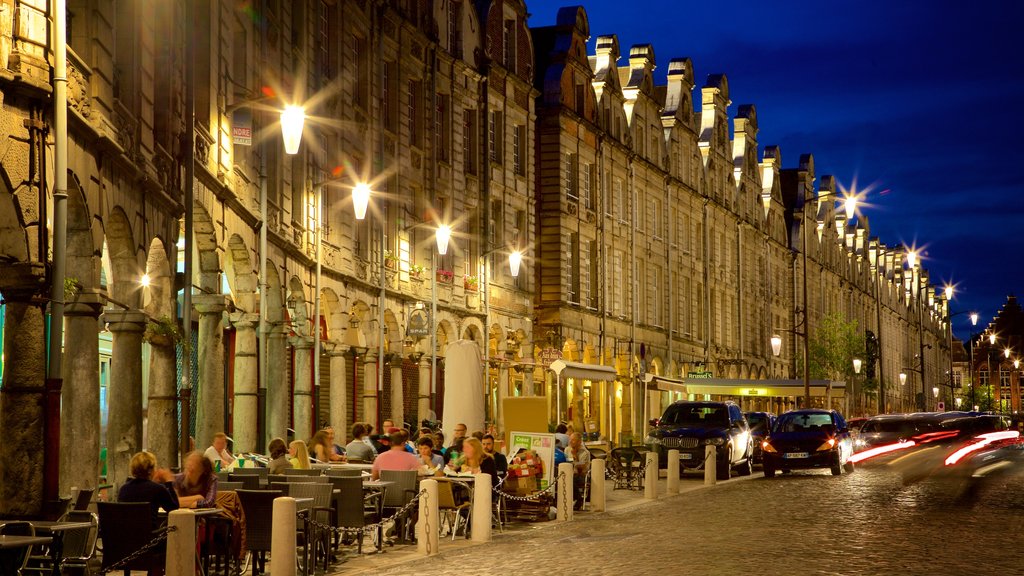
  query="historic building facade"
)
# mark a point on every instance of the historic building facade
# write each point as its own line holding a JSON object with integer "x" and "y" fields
{"x": 657, "y": 241}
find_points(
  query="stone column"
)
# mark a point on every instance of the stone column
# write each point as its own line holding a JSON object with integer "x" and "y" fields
{"x": 21, "y": 397}
{"x": 80, "y": 394}
{"x": 244, "y": 417}
{"x": 210, "y": 411}
{"x": 397, "y": 394}
{"x": 339, "y": 392}
{"x": 423, "y": 402}
{"x": 124, "y": 393}
{"x": 278, "y": 399}
{"x": 162, "y": 411}
{"x": 302, "y": 399}
{"x": 370, "y": 389}
{"x": 503, "y": 385}
{"x": 528, "y": 387}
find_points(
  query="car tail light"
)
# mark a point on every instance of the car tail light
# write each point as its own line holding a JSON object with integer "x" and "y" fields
{"x": 872, "y": 452}
{"x": 827, "y": 445}
{"x": 767, "y": 447}
{"x": 981, "y": 441}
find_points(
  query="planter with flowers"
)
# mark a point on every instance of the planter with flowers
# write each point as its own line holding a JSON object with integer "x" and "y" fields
{"x": 416, "y": 271}
{"x": 471, "y": 283}
{"x": 390, "y": 260}
{"x": 445, "y": 276}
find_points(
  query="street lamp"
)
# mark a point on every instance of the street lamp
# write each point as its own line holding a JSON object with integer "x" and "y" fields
{"x": 292, "y": 120}
{"x": 912, "y": 261}
{"x": 514, "y": 260}
{"x": 903, "y": 378}
{"x": 856, "y": 370}
{"x": 776, "y": 344}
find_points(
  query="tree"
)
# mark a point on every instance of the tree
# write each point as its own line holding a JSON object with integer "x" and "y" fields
{"x": 834, "y": 344}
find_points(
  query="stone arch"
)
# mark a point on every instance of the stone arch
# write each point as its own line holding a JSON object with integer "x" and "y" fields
{"x": 762, "y": 373}
{"x": 158, "y": 297}
{"x": 656, "y": 366}
{"x": 240, "y": 275}
{"x": 123, "y": 284}
{"x": 336, "y": 317}
{"x": 473, "y": 329}
{"x": 392, "y": 333}
{"x": 360, "y": 315}
{"x": 444, "y": 335}
{"x": 205, "y": 250}
{"x": 571, "y": 350}
{"x": 82, "y": 261}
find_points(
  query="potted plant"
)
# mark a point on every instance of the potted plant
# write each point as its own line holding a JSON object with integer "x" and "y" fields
{"x": 471, "y": 283}
{"x": 390, "y": 260}
{"x": 416, "y": 270}
{"x": 445, "y": 276}
{"x": 162, "y": 331}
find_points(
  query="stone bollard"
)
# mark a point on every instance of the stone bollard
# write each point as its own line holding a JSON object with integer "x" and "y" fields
{"x": 563, "y": 502}
{"x": 481, "y": 530}
{"x": 673, "y": 471}
{"x": 282, "y": 537}
{"x": 429, "y": 525}
{"x": 181, "y": 543}
{"x": 651, "y": 474}
{"x": 710, "y": 465}
{"x": 598, "y": 496}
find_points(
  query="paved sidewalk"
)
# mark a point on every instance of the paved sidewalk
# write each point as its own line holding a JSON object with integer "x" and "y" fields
{"x": 618, "y": 501}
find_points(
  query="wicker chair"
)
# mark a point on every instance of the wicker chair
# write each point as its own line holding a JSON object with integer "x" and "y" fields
{"x": 344, "y": 473}
{"x": 319, "y": 544}
{"x": 248, "y": 481}
{"x": 450, "y": 510}
{"x": 352, "y": 507}
{"x": 300, "y": 472}
{"x": 625, "y": 466}
{"x": 258, "y": 507}
{"x": 399, "y": 494}
{"x": 125, "y": 527}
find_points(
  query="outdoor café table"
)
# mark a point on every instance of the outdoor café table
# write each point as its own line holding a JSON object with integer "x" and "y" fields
{"x": 352, "y": 466}
{"x": 57, "y": 530}
{"x": 9, "y": 545}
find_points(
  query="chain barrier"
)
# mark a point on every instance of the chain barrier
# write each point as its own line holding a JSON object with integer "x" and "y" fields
{"x": 120, "y": 564}
{"x": 340, "y": 531}
{"x": 531, "y": 498}
{"x": 566, "y": 498}
{"x": 425, "y": 511}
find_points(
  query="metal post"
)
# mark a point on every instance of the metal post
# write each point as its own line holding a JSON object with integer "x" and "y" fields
{"x": 190, "y": 174}
{"x": 920, "y": 345}
{"x": 970, "y": 371}
{"x": 380, "y": 316}
{"x": 316, "y": 310}
{"x": 433, "y": 331}
{"x": 949, "y": 350}
{"x": 807, "y": 323}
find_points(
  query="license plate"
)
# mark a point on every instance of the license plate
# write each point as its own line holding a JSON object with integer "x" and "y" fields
{"x": 685, "y": 456}
{"x": 796, "y": 455}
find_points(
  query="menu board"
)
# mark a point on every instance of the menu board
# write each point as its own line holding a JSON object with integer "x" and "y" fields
{"x": 541, "y": 444}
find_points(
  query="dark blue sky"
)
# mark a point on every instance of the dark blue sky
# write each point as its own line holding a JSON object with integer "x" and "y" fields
{"x": 917, "y": 99}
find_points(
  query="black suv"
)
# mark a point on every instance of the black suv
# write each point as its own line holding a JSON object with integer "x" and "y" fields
{"x": 690, "y": 426}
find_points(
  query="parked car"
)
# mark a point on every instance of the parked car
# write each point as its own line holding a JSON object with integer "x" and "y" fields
{"x": 804, "y": 439}
{"x": 760, "y": 425}
{"x": 691, "y": 426}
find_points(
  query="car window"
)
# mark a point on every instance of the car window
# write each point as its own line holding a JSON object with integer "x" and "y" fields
{"x": 804, "y": 423}
{"x": 758, "y": 422}
{"x": 696, "y": 415}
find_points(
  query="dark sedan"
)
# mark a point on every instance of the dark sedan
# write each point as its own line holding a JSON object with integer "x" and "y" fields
{"x": 804, "y": 439}
{"x": 760, "y": 425}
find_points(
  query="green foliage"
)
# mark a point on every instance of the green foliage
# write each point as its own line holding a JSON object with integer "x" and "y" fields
{"x": 72, "y": 287}
{"x": 163, "y": 328}
{"x": 833, "y": 346}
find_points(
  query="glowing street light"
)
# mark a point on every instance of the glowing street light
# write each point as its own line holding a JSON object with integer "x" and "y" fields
{"x": 1006, "y": 352}
{"x": 912, "y": 258}
{"x": 974, "y": 318}
{"x": 903, "y": 378}
{"x": 360, "y": 199}
{"x": 949, "y": 292}
{"x": 443, "y": 235}
{"x": 292, "y": 119}
{"x": 856, "y": 365}
{"x": 776, "y": 344}
{"x": 850, "y": 205}
{"x": 514, "y": 260}
{"x": 144, "y": 280}
{"x": 1016, "y": 364}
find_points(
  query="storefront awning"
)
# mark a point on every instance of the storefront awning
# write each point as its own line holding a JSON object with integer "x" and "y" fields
{"x": 566, "y": 369}
{"x": 767, "y": 388}
{"x": 664, "y": 384}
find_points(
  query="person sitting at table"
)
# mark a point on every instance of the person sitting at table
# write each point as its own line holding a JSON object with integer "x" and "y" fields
{"x": 560, "y": 450}
{"x": 358, "y": 449}
{"x": 299, "y": 455}
{"x": 431, "y": 463}
{"x": 337, "y": 448}
{"x": 454, "y": 452}
{"x": 500, "y": 462}
{"x": 197, "y": 485}
{"x": 475, "y": 461}
{"x": 580, "y": 458}
{"x": 149, "y": 484}
{"x": 322, "y": 448}
{"x": 218, "y": 452}
{"x": 438, "y": 438}
{"x": 396, "y": 458}
{"x": 278, "y": 456}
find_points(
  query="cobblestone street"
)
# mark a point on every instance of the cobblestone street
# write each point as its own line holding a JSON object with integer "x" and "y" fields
{"x": 808, "y": 523}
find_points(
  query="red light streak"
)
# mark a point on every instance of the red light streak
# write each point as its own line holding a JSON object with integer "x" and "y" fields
{"x": 983, "y": 440}
{"x": 879, "y": 450}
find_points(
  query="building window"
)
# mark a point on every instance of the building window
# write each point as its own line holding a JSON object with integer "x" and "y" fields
{"x": 657, "y": 304}
{"x": 594, "y": 266}
{"x": 571, "y": 177}
{"x": 620, "y": 265}
{"x": 587, "y": 188}
{"x": 415, "y": 113}
{"x": 521, "y": 239}
{"x": 519, "y": 150}
{"x": 581, "y": 102}
{"x": 455, "y": 28}
{"x": 469, "y": 135}
{"x": 494, "y": 139}
{"x": 621, "y": 201}
{"x": 509, "y": 45}
{"x": 442, "y": 127}
{"x": 573, "y": 268}
{"x": 360, "y": 59}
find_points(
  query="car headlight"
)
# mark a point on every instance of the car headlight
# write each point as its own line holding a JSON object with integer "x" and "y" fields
{"x": 714, "y": 441}
{"x": 827, "y": 445}
{"x": 652, "y": 440}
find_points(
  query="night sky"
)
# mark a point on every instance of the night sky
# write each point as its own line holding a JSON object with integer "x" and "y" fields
{"x": 915, "y": 101}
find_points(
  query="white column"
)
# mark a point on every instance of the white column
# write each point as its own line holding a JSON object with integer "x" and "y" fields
{"x": 710, "y": 465}
{"x": 181, "y": 543}
{"x": 397, "y": 393}
{"x": 302, "y": 399}
{"x": 339, "y": 389}
{"x": 370, "y": 389}
{"x": 282, "y": 538}
{"x": 598, "y": 495}
{"x": 211, "y": 404}
{"x": 563, "y": 491}
{"x": 651, "y": 475}
{"x": 423, "y": 402}
{"x": 673, "y": 471}
{"x": 244, "y": 414}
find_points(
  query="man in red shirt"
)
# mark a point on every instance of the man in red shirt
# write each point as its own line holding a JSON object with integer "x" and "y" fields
{"x": 395, "y": 458}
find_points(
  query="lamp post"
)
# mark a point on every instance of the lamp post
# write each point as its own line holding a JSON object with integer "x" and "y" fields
{"x": 515, "y": 260}
{"x": 903, "y": 383}
{"x": 857, "y": 363}
{"x": 360, "y": 199}
{"x": 974, "y": 322}
{"x": 912, "y": 261}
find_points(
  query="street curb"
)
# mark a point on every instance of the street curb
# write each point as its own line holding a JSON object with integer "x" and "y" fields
{"x": 633, "y": 504}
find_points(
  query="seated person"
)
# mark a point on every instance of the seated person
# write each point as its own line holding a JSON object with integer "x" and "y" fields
{"x": 580, "y": 458}
{"x": 299, "y": 455}
{"x": 321, "y": 447}
{"x": 500, "y": 462}
{"x": 278, "y": 456}
{"x": 559, "y": 452}
{"x": 218, "y": 453}
{"x": 337, "y": 448}
{"x": 358, "y": 449}
{"x": 197, "y": 485}
{"x": 562, "y": 434}
{"x": 431, "y": 463}
{"x": 149, "y": 484}
{"x": 396, "y": 458}
{"x": 475, "y": 461}
{"x": 453, "y": 455}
